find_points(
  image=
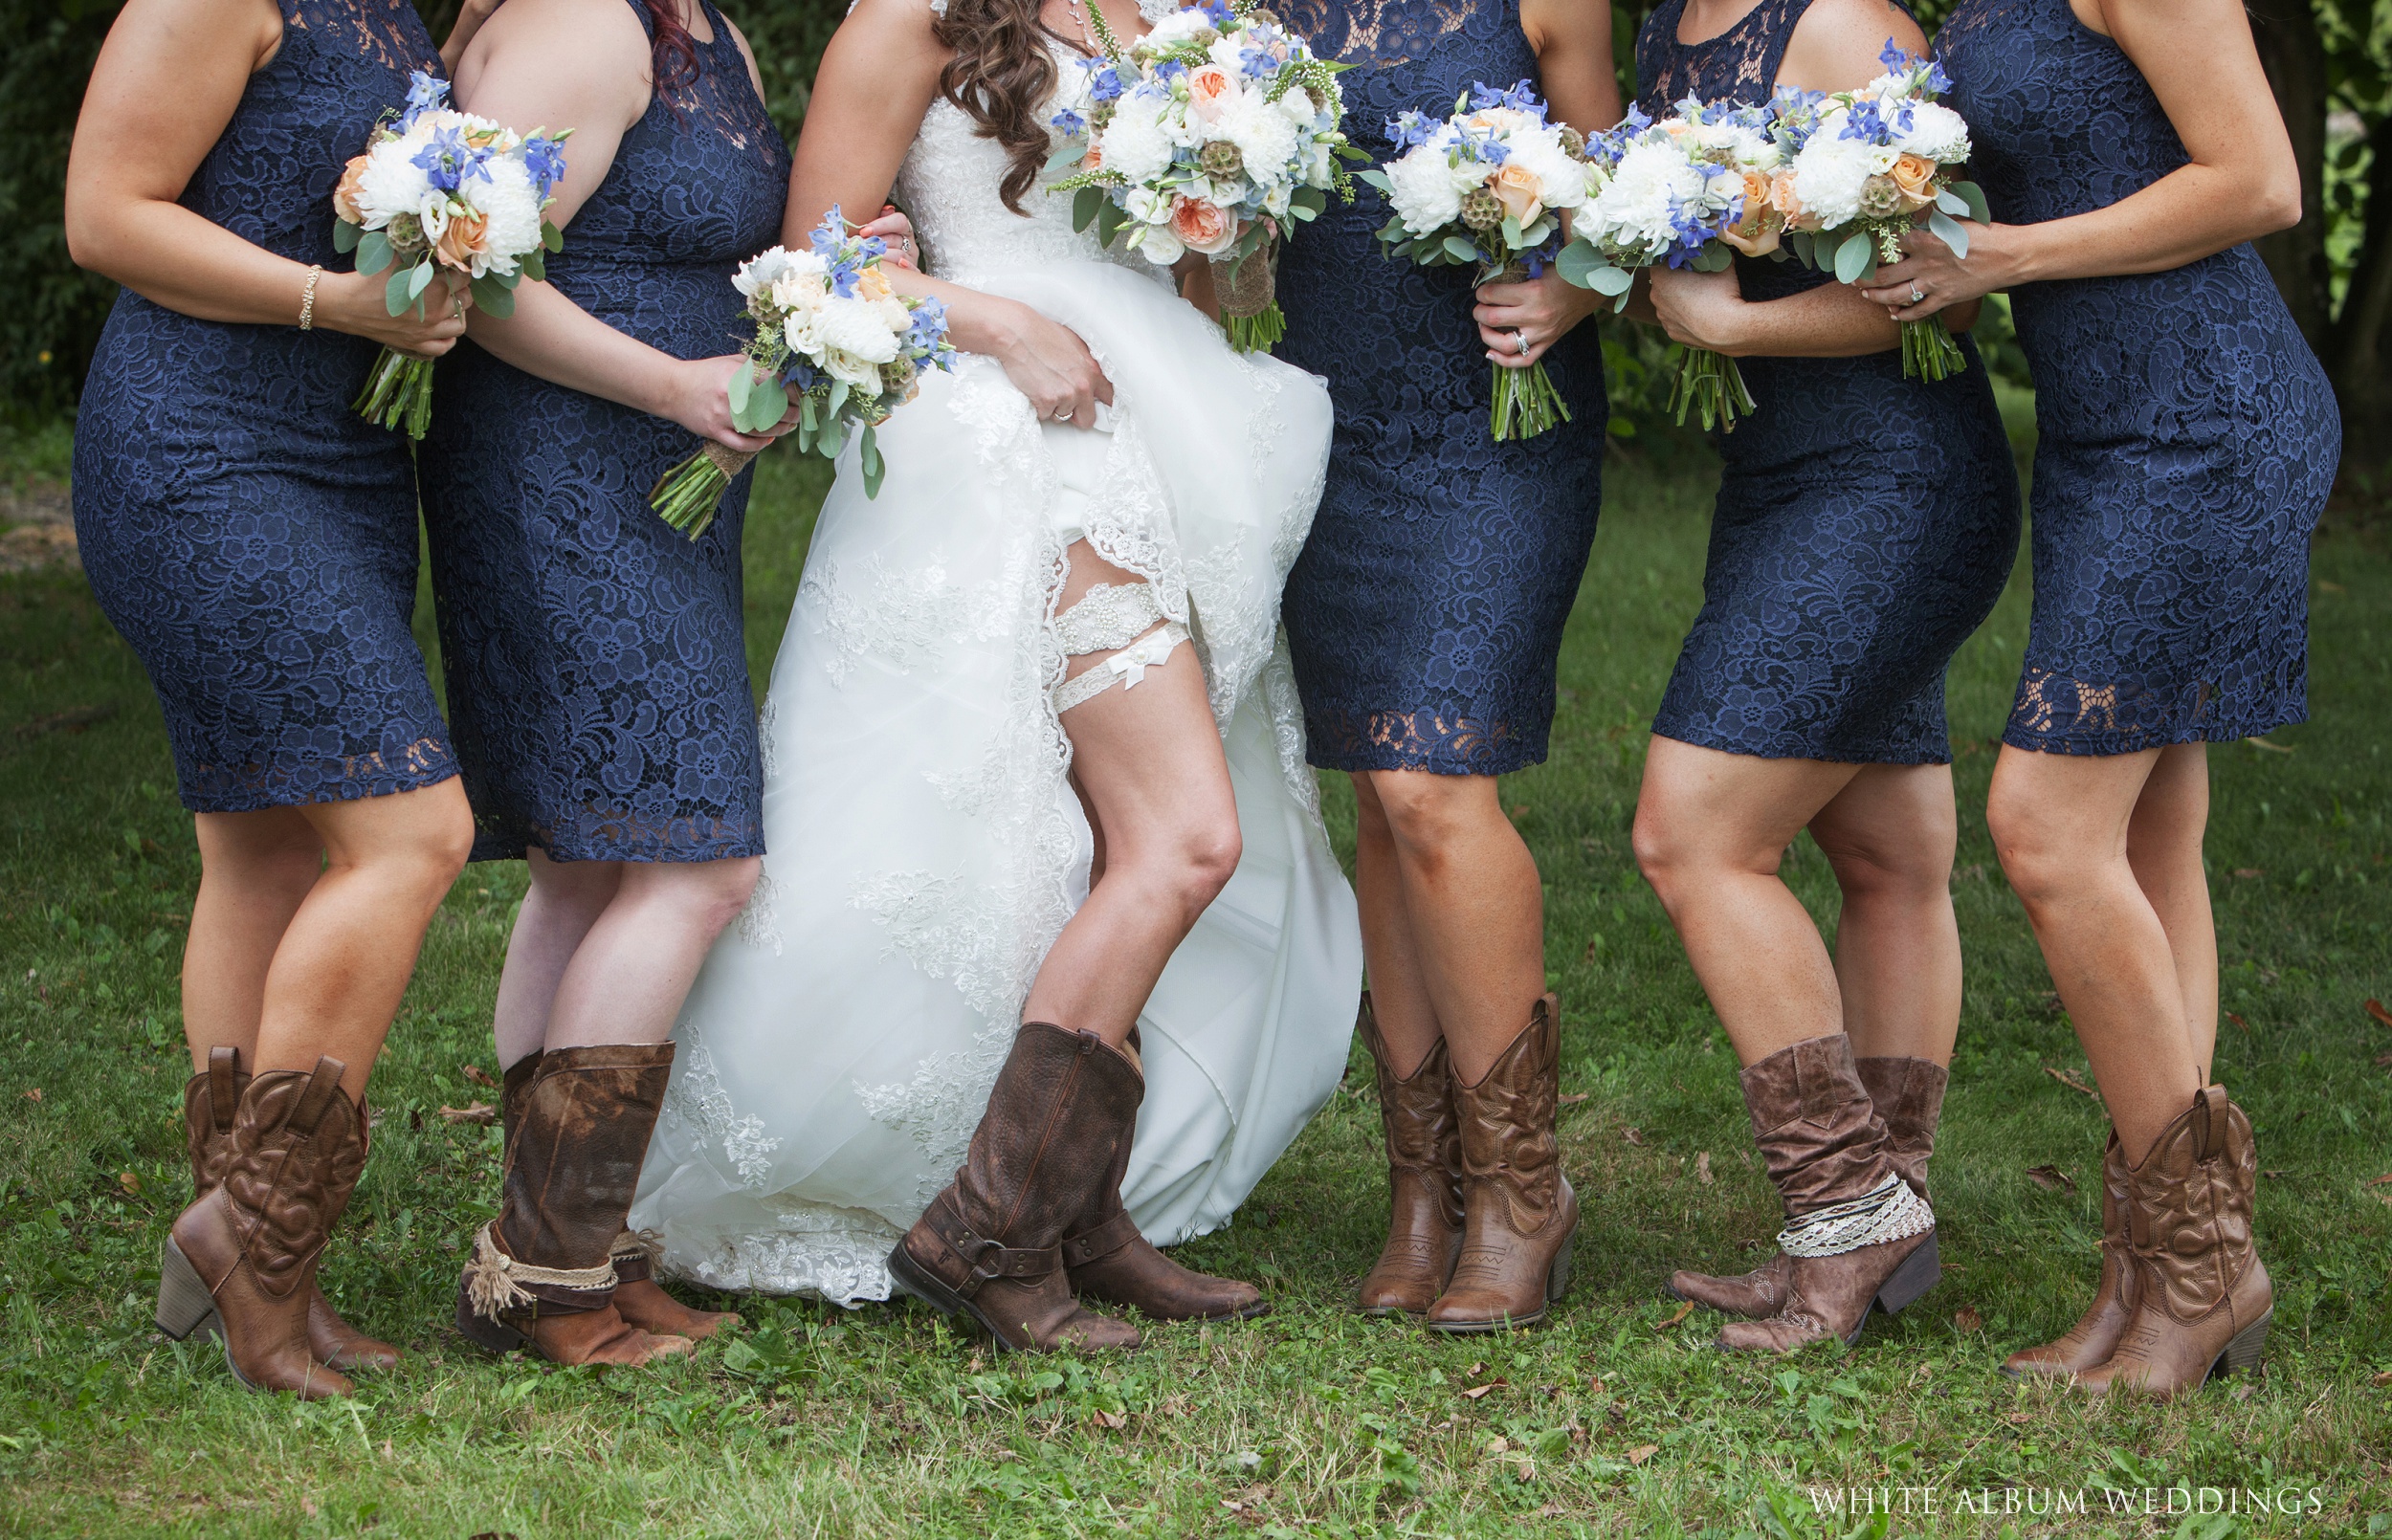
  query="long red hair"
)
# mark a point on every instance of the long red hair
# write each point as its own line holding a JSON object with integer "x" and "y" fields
{"x": 671, "y": 53}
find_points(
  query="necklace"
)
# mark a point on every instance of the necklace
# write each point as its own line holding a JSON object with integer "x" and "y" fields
{"x": 1079, "y": 19}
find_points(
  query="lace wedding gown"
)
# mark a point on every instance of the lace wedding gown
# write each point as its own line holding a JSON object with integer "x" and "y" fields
{"x": 926, "y": 846}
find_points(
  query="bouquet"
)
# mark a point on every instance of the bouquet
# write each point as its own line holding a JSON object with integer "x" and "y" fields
{"x": 1487, "y": 186}
{"x": 831, "y": 329}
{"x": 442, "y": 189}
{"x": 1215, "y": 133}
{"x": 1688, "y": 191}
{"x": 1866, "y": 164}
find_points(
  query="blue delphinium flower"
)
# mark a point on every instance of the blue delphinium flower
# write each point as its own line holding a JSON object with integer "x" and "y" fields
{"x": 927, "y": 333}
{"x": 1104, "y": 81}
{"x": 1071, "y": 124}
{"x": 800, "y": 375}
{"x": 1218, "y": 13}
{"x": 1255, "y": 63}
{"x": 425, "y": 94}
{"x": 1864, "y": 123}
{"x": 544, "y": 158}
{"x": 1411, "y": 130}
{"x": 447, "y": 159}
{"x": 1521, "y": 97}
{"x": 1893, "y": 56}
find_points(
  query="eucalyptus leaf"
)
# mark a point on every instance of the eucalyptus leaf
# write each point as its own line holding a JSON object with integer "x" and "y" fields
{"x": 346, "y": 237}
{"x": 1312, "y": 200}
{"x": 1377, "y": 179}
{"x": 419, "y": 278}
{"x": 1978, "y": 208}
{"x": 743, "y": 381}
{"x": 1511, "y": 236}
{"x": 492, "y": 298}
{"x": 1714, "y": 258}
{"x": 1460, "y": 249}
{"x": 373, "y": 253}
{"x": 1806, "y": 246}
{"x": 394, "y": 293}
{"x": 1084, "y": 206}
{"x": 1952, "y": 203}
{"x": 831, "y": 410}
{"x": 1949, "y": 230}
{"x": 874, "y": 467}
{"x": 1578, "y": 263}
{"x": 1110, "y": 218}
{"x": 1855, "y": 259}
{"x": 550, "y": 236}
{"x": 534, "y": 264}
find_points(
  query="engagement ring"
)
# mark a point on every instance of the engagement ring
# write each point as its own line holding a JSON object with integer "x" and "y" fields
{"x": 1521, "y": 339}
{"x": 1064, "y": 415}
{"x": 1916, "y": 294}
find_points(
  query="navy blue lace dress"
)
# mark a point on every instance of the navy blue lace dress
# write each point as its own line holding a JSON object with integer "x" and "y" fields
{"x": 2188, "y": 437}
{"x": 1426, "y": 612}
{"x": 1866, "y": 523}
{"x": 596, "y": 671}
{"x": 251, "y": 537}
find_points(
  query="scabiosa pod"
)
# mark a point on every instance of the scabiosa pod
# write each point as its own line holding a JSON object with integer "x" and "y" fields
{"x": 833, "y": 337}
{"x": 1218, "y": 133}
{"x": 440, "y": 188}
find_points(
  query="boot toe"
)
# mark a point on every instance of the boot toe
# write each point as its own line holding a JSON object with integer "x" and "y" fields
{"x": 1473, "y": 1310}
{"x": 1090, "y": 1333}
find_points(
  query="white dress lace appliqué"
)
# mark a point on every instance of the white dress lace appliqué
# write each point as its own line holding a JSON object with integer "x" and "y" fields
{"x": 925, "y": 844}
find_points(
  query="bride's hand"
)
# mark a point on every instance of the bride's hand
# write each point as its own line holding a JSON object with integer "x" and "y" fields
{"x": 893, "y": 228}
{"x": 696, "y": 394}
{"x": 1048, "y": 362}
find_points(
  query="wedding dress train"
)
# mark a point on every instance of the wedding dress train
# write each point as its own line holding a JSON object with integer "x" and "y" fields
{"x": 925, "y": 844}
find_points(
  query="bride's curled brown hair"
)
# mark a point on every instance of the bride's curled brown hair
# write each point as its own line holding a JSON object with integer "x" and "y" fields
{"x": 1001, "y": 74}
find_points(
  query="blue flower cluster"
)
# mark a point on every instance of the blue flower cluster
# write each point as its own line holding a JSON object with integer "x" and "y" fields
{"x": 544, "y": 158}
{"x": 425, "y": 93}
{"x": 447, "y": 159}
{"x": 846, "y": 255}
{"x": 1521, "y": 97}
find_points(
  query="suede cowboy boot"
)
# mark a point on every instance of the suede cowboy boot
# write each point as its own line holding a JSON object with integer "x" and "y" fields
{"x": 1907, "y": 1094}
{"x": 241, "y": 1260}
{"x": 990, "y": 1245}
{"x": 1519, "y": 1213}
{"x": 1108, "y": 1260}
{"x": 1857, "y": 1238}
{"x": 543, "y": 1273}
{"x": 637, "y": 1296}
{"x": 2203, "y": 1299}
{"x": 209, "y": 1100}
{"x": 1424, "y": 1142}
{"x": 2090, "y": 1342}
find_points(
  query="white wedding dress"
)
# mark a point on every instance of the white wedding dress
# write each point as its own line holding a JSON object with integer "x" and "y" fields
{"x": 926, "y": 846}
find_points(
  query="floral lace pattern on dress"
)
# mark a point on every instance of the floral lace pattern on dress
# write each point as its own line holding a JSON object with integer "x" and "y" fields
{"x": 2187, "y": 438}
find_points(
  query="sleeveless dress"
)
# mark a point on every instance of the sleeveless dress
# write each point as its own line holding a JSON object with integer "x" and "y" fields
{"x": 2188, "y": 437}
{"x": 596, "y": 668}
{"x": 1425, "y": 615}
{"x": 251, "y": 536}
{"x": 925, "y": 844}
{"x": 1866, "y": 523}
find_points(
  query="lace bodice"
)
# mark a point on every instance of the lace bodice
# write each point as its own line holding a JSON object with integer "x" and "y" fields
{"x": 949, "y": 186}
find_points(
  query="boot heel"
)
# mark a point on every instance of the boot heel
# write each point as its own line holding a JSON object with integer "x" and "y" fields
{"x": 496, "y": 1336}
{"x": 1920, "y": 1271}
{"x": 2243, "y": 1352}
{"x": 185, "y": 1305}
{"x": 1558, "y": 1279}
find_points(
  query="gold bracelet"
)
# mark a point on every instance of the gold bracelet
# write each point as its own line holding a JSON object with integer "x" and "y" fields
{"x": 307, "y": 301}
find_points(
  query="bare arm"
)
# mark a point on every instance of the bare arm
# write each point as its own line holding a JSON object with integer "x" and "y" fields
{"x": 2241, "y": 182}
{"x": 167, "y": 82}
{"x": 584, "y": 65}
{"x": 879, "y": 77}
{"x": 468, "y": 19}
{"x": 1572, "y": 39}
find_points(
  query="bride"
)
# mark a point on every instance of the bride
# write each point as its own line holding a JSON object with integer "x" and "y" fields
{"x": 1045, "y": 863}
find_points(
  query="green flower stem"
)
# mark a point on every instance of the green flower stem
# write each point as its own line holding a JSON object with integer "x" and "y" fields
{"x": 1711, "y": 386}
{"x": 1525, "y": 402}
{"x": 1258, "y": 333}
{"x": 398, "y": 393}
{"x": 687, "y": 496}
{"x": 1928, "y": 352}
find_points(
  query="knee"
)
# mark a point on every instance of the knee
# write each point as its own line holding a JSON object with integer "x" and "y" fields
{"x": 426, "y": 858}
{"x": 1427, "y": 814}
{"x": 1914, "y": 868}
{"x": 1207, "y": 854}
{"x": 1663, "y": 854}
{"x": 2037, "y": 864}
{"x": 716, "y": 892}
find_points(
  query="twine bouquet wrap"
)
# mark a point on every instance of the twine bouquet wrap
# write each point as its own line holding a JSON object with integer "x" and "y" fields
{"x": 440, "y": 188}
{"x": 1867, "y": 165}
{"x": 1488, "y": 187}
{"x": 833, "y": 338}
{"x": 1216, "y": 133}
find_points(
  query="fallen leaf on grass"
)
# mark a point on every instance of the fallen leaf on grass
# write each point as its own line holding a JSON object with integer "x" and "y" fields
{"x": 1642, "y": 1453}
{"x": 1573, "y": 1098}
{"x": 1109, "y": 1420}
{"x": 476, "y": 1074}
{"x": 2384, "y": 1379}
{"x": 2238, "y": 1021}
{"x": 33, "y": 1095}
{"x": 1524, "y": 1472}
{"x": 131, "y": 1183}
{"x": 1499, "y": 1445}
{"x": 2020, "y": 1419}
{"x": 1702, "y": 1168}
{"x": 1475, "y": 1392}
{"x": 2271, "y": 748}
{"x": 2247, "y": 873}
{"x": 2071, "y": 1082}
{"x": 72, "y": 721}
{"x": 1967, "y": 1319}
{"x": 2331, "y": 587}
{"x": 477, "y": 1112}
{"x": 2051, "y": 1178}
{"x": 2384, "y": 1180}
{"x": 2242, "y": 1393}
{"x": 2383, "y": 1061}
{"x": 1551, "y": 1511}
{"x": 1594, "y": 1386}
{"x": 1632, "y": 1136}
{"x": 2375, "y": 1008}
{"x": 2271, "y": 1175}
{"x": 1683, "y": 1311}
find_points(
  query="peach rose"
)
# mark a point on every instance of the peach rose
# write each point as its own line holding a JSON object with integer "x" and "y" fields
{"x": 1203, "y": 227}
{"x": 1755, "y": 233}
{"x": 1500, "y": 120}
{"x": 1209, "y": 91}
{"x": 462, "y": 242}
{"x": 873, "y": 284}
{"x": 1516, "y": 187}
{"x": 1782, "y": 199}
{"x": 344, "y": 196}
{"x": 1914, "y": 175}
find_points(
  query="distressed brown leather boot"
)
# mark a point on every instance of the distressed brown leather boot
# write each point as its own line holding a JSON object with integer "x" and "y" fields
{"x": 208, "y": 1099}
{"x": 1907, "y": 1094}
{"x": 989, "y": 1247}
{"x": 2090, "y": 1342}
{"x": 1857, "y": 1238}
{"x": 241, "y": 1260}
{"x": 1518, "y": 1210}
{"x": 1109, "y": 1260}
{"x": 541, "y": 1272}
{"x": 2203, "y": 1299}
{"x": 1424, "y": 1142}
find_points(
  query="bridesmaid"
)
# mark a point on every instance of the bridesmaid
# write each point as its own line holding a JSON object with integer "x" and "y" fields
{"x": 254, "y": 540}
{"x": 1425, "y": 617}
{"x": 597, "y": 676}
{"x": 2131, "y": 150}
{"x": 1865, "y": 525}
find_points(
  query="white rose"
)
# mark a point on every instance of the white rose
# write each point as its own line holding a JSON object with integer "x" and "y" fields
{"x": 858, "y": 371}
{"x": 1162, "y": 244}
{"x": 855, "y": 326}
{"x": 1135, "y": 142}
{"x": 1560, "y": 180}
{"x": 1147, "y": 206}
{"x": 1425, "y": 197}
{"x": 1263, "y": 137}
{"x": 1936, "y": 133}
{"x": 1274, "y": 201}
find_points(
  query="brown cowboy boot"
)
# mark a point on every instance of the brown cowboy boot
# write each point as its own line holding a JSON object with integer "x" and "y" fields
{"x": 1518, "y": 1210}
{"x": 2203, "y": 1300}
{"x": 208, "y": 1099}
{"x": 1907, "y": 1094}
{"x": 541, "y": 1271}
{"x": 2090, "y": 1342}
{"x": 1857, "y": 1238}
{"x": 990, "y": 1245}
{"x": 241, "y": 1260}
{"x": 1423, "y": 1143}
{"x": 1108, "y": 1260}
{"x": 637, "y": 1297}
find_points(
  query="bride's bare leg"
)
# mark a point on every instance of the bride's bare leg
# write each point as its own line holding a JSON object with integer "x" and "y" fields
{"x": 1148, "y": 760}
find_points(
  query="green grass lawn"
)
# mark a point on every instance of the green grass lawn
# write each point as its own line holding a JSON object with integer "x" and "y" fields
{"x": 1615, "y": 1420}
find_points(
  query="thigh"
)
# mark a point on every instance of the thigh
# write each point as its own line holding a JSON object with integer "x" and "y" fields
{"x": 1737, "y": 809}
{"x": 1896, "y": 818}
